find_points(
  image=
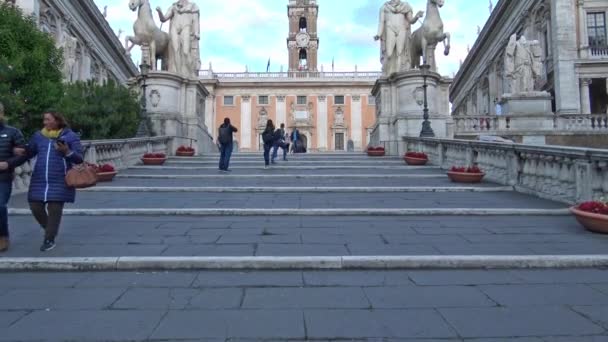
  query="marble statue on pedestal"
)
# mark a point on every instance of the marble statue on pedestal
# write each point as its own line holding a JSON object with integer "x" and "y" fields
{"x": 148, "y": 34}
{"x": 523, "y": 64}
{"x": 184, "y": 33}
{"x": 394, "y": 33}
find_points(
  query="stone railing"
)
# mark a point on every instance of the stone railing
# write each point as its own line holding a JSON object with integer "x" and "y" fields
{"x": 313, "y": 75}
{"x": 559, "y": 173}
{"x": 503, "y": 124}
{"x": 120, "y": 153}
{"x": 582, "y": 122}
{"x": 481, "y": 123}
{"x": 599, "y": 51}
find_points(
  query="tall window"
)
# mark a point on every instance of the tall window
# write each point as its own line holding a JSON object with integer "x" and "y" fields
{"x": 371, "y": 100}
{"x": 228, "y": 100}
{"x": 301, "y": 100}
{"x": 263, "y": 99}
{"x": 596, "y": 28}
{"x": 339, "y": 99}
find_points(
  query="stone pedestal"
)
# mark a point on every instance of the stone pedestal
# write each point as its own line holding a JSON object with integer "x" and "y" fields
{"x": 400, "y": 104}
{"x": 176, "y": 107}
{"x": 528, "y": 111}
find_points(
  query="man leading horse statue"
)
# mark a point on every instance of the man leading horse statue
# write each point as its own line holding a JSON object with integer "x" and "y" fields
{"x": 400, "y": 49}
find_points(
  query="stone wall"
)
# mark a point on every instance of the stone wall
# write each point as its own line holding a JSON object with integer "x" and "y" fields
{"x": 120, "y": 153}
{"x": 559, "y": 173}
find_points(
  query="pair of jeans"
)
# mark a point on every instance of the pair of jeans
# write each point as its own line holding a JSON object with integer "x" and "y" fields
{"x": 225, "y": 153}
{"x": 48, "y": 216}
{"x": 6, "y": 188}
{"x": 267, "y": 148}
{"x": 275, "y": 149}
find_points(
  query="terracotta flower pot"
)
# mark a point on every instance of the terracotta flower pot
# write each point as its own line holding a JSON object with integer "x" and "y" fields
{"x": 153, "y": 161}
{"x": 415, "y": 161}
{"x": 376, "y": 153}
{"x": 184, "y": 153}
{"x": 106, "y": 176}
{"x": 465, "y": 177}
{"x": 593, "y": 222}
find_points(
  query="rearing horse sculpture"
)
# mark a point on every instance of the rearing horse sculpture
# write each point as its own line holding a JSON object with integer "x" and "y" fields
{"x": 147, "y": 33}
{"x": 425, "y": 39}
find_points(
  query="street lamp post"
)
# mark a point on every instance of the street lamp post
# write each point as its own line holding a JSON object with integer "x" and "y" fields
{"x": 426, "y": 131}
{"x": 142, "y": 130}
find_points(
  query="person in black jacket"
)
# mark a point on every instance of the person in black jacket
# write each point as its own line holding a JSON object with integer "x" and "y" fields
{"x": 268, "y": 139}
{"x": 12, "y": 147}
{"x": 224, "y": 139}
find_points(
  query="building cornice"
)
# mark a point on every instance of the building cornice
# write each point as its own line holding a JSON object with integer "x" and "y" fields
{"x": 88, "y": 11}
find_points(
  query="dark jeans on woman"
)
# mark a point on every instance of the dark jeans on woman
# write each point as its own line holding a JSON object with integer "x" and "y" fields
{"x": 48, "y": 216}
{"x": 6, "y": 187}
{"x": 267, "y": 148}
{"x": 225, "y": 153}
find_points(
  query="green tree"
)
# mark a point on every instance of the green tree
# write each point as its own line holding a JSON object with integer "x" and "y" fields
{"x": 30, "y": 69}
{"x": 108, "y": 111}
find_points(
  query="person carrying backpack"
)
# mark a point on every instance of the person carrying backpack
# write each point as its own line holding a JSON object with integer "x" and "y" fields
{"x": 279, "y": 141}
{"x": 224, "y": 139}
{"x": 268, "y": 139}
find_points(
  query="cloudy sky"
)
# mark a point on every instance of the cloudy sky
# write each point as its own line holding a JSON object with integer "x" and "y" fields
{"x": 239, "y": 33}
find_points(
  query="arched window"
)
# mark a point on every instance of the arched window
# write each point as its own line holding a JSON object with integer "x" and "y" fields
{"x": 303, "y": 57}
{"x": 303, "y": 26}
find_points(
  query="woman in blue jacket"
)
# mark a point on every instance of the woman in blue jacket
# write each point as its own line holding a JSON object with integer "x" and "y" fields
{"x": 57, "y": 148}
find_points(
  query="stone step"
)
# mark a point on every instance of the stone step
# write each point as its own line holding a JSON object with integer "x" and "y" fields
{"x": 293, "y": 189}
{"x": 269, "y": 175}
{"x": 372, "y": 262}
{"x": 258, "y": 161}
{"x": 229, "y": 180}
{"x": 259, "y": 170}
{"x": 115, "y": 236}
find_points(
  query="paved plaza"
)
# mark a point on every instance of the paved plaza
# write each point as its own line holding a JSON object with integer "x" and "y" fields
{"x": 296, "y": 305}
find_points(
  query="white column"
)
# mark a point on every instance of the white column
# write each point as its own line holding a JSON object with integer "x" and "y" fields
{"x": 356, "y": 123}
{"x": 585, "y": 100}
{"x": 245, "y": 129}
{"x": 281, "y": 111}
{"x": 321, "y": 123}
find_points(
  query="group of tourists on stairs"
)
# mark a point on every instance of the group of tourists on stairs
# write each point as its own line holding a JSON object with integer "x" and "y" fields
{"x": 57, "y": 149}
{"x": 272, "y": 138}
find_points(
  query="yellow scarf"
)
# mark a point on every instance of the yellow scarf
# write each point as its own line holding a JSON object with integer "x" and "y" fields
{"x": 51, "y": 134}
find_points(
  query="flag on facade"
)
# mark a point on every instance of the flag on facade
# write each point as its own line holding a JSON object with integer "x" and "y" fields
{"x": 268, "y": 65}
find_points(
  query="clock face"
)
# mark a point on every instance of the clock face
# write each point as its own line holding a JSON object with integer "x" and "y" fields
{"x": 302, "y": 39}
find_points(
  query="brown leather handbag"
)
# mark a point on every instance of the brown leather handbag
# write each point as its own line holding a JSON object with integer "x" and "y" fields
{"x": 81, "y": 176}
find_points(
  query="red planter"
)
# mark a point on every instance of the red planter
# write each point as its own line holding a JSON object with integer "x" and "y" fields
{"x": 465, "y": 177}
{"x": 106, "y": 176}
{"x": 415, "y": 161}
{"x": 375, "y": 151}
{"x": 153, "y": 161}
{"x": 184, "y": 153}
{"x": 593, "y": 222}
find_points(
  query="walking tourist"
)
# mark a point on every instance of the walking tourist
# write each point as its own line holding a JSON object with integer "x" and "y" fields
{"x": 11, "y": 144}
{"x": 58, "y": 148}
{"x": 224, "y": 139}
{"x": 268, "y": 139}
{"x": 279, "y": 142}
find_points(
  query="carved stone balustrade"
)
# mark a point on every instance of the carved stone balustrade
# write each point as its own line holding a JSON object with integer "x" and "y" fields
{"x": 559, "y": 173}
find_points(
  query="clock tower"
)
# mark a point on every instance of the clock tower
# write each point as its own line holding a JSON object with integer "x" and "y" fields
{"x": 303, "y": 42}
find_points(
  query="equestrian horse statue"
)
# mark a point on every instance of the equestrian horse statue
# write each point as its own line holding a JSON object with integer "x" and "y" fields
{"x": 147, "y": 33}
{"x": 424, "y": 40}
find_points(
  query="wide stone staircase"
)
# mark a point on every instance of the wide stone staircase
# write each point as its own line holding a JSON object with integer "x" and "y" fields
{"x": 324, "y": 247}
{"x": 314, "y": 205}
